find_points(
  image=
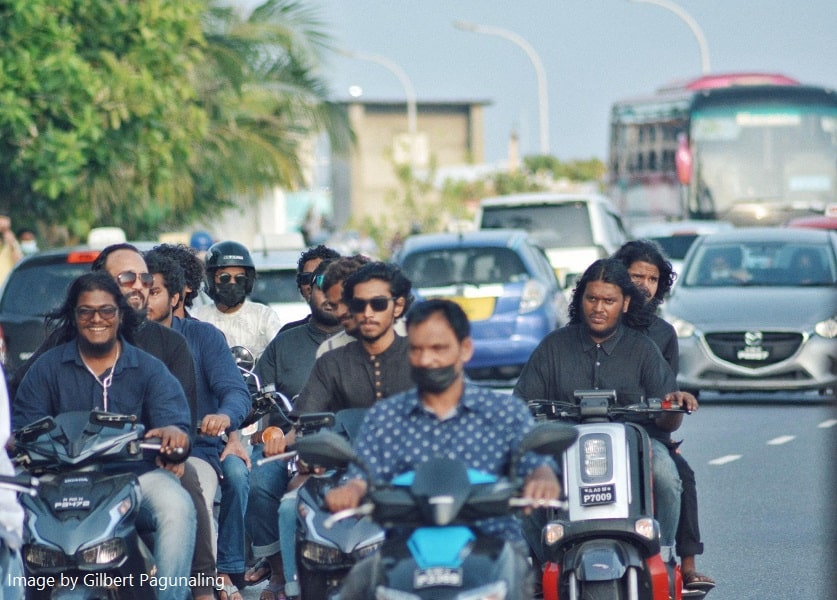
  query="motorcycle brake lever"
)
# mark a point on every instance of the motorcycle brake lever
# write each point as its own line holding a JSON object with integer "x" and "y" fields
{"x": 530, "y": 503}
{"x": 358, "y": 511}
{"x": 283, "y": 456}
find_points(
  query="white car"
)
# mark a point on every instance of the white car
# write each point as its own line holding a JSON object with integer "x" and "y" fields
{"x": 276, "y": 283}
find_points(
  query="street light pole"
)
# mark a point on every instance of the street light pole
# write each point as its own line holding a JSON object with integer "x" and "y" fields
{"x": 540, "y": 73}
{"x": 692, "y": 24}
{"x": 409, "y": 92}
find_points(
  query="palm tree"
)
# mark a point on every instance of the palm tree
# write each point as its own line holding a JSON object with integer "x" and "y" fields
{"x": 264, "y": 97}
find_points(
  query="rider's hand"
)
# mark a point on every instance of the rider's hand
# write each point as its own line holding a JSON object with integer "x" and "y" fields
{"x": 684, "y": 400}
{"x": 177, "y": 469}
{"x": 172, "y": 439}
{"x": 234, "y": 447}
{"x": 346, "y": 496}
{"x": 215, "y": 425}
{"x": 541, "y": 484}
{"x": 274, "y": 441}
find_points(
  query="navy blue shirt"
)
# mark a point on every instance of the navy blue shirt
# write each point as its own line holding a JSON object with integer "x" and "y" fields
{"x": 142, "y": 385}
{"x": 220, "y": 385}
{"x": 398, "y": 434}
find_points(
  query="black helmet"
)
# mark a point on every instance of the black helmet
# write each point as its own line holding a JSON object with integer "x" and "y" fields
{"x": 228, "y": 254}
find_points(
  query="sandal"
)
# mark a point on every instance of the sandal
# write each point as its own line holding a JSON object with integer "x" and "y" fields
{"x": 693, "y": 580}
{"x": 273, "y": 591}
{"x": 258, "y": 572}
{"x": 230, "y": 592}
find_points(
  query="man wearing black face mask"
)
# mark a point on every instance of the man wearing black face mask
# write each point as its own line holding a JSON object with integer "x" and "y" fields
{"x": 230, "y": 275}
{"x": 444, "y": 415}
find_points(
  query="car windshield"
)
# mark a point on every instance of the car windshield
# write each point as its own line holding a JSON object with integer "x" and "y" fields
{"x": 274, "y": 287}
{"x": 762, "y": 264}
{"x": 476, "y": 266}
{"x": 41, "y": 288}
{"x": 564, "y": 225}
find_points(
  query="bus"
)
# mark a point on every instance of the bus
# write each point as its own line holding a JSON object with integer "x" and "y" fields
{"x": 747, "y": 148}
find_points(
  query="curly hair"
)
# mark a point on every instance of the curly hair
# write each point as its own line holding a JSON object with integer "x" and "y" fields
{"x": 609, "y": 270}
{"x": 649, "y": 252}
{"x": 191, "y": 264}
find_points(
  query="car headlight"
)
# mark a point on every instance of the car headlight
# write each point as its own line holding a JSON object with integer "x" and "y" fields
{"x": 682, "y": 328}
{"x": 532, "y": 297}
{"x": 827, "y": 328}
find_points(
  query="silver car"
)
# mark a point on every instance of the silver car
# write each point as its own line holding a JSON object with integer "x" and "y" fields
{"x": 756, "y": 310}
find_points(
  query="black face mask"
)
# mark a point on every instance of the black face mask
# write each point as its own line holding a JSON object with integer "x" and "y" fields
{"x": 230, "y": 294}
{"x": 434, "y": 380}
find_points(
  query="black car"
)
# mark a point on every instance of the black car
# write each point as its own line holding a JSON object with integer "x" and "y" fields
{"x": 36, "y": 286}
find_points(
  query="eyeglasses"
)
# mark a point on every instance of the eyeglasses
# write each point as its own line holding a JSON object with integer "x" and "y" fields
{"x": 107, "y": 312}
{"x": 358, "y": 305}
{"x": 129, "y": 277}
{"x": 305, "y": 278}
{"x": 225, "y": 278}
{"x": 318, "y": 280}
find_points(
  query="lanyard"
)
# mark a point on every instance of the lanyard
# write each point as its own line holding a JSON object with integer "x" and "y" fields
{"x": 105, "y": 383}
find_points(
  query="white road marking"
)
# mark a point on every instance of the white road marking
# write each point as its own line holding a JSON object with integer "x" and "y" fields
{"x": 782, "y": 439}
{"x": 722, "y": 460}
{"x": 827, "y": 424}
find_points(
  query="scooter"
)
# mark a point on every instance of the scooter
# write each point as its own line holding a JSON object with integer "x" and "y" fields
{"x": 433, "y": 547}
{"x": 324, "y": 555}
{"x": 79, "y": 534}
{"x": 607, "y": 545}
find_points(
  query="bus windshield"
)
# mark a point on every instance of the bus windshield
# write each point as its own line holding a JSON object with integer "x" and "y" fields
{"x": 764, "y": 153}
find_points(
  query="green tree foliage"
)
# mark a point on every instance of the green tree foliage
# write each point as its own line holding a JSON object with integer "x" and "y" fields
{"x": 97, "y": 112}
{"x": 147, "y": 114}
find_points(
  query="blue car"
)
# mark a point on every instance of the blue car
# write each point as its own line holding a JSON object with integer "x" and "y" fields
{"x": 505, "y": 284}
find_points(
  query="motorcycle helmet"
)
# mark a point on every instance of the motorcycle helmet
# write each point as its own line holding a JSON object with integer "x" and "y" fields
{"x": 228, "y": 254}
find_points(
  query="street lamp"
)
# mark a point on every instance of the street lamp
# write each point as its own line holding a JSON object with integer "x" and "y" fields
{"x": 409, "y": 92}
{"x": 543, "y": 106}
{"x": 695, "y": 28}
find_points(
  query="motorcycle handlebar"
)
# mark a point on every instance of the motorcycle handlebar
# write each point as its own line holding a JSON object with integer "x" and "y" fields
{"x": 177, "y": 455}
{"x": 359, "y": 511}
{"x": 283, "y": 456}
{"x": 23, "y": 484}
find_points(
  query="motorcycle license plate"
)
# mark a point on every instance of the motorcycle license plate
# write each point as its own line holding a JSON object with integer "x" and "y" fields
{"x": 435, "y": 576}
{"x": 597, "y": 494}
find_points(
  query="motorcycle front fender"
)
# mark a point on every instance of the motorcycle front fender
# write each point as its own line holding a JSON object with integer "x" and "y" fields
{"x": 601, "y": 560}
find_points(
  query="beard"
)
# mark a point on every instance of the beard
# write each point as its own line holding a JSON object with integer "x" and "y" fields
{"x": 323, "y": 317}
{"x": 95, "y": 350}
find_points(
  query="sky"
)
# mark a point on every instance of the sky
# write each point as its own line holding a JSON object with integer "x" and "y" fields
{"x": 594, "y": 52}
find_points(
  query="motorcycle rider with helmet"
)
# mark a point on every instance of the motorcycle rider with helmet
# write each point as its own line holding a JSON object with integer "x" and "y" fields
{"x": 230, "y": 276}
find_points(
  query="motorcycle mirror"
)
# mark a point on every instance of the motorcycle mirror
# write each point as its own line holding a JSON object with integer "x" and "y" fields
{"x": 325, "y": 449}
{"x": 34, "y": 430}
{"x": 548, "y": 438}
{"x": 244, "y": 359}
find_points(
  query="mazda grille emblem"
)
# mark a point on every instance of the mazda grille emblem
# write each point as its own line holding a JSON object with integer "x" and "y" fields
{"x": 753, "y": 338}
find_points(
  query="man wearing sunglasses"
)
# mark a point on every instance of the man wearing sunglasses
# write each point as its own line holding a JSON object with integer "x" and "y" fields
{"x": 305, "y": 266}
{"x": 230, "y": 276}
{"x": 375, "y": 365}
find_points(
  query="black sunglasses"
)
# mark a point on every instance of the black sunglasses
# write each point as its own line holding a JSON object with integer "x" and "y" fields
{"x": 358, "y": 305}
{"x": 225, "y": 278}
{"x": 129, "y": 277}
{"x": 305, "y": 278}
{"x": 107, "y": 312}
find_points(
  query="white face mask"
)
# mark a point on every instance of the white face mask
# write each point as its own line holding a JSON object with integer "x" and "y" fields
{"x": 29, "y": 246}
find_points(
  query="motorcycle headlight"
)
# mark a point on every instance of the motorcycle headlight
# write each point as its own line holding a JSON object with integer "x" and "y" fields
{"x": 365, "y": 551}
{"x": 596, "y": 463}
{"x": 682, "y": 328}
{"x": 38, "y": 556}
{"x": 109, "y": 552}
{"x": 318, "y": 554}
{"x": 827, "y": 328}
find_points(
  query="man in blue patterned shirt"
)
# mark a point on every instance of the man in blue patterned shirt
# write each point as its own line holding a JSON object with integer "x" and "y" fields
{"x": 447, "y": 416}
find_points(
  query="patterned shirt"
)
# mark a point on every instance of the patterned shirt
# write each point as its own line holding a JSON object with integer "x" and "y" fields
{"x": 399, "y": 433}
